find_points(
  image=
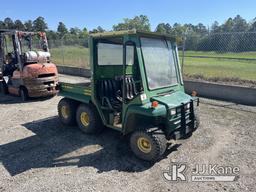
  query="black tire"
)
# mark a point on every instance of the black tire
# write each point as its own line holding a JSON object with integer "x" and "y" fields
{"x": 3, "y": 88}
{"x": 155, "y": 137}
{"x": 23, "y": 94}
{"x": 67, "y": 111}
{"x": 88, "y": 119}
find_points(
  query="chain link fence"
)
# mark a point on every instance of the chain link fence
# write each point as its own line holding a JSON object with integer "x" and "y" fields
{"x": 70, "y": 52}
{"x": 220, "y": 56}
{"x": 213, "y": 56}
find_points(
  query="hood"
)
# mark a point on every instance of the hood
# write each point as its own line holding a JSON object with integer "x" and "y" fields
{"x": 173, "y": 99}
{"x": 33, "y": 70}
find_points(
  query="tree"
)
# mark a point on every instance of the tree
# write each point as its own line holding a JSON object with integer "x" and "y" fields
{"x": 138, "y": 22}
{"x": 164, "y": 28}
{"x": 240, "y": 24}
{"x": 228, "y": 25}
{"x": 8, "y": 23}
{"x": 52, "y": 35}
{"x": 75, "y": 31}
{"x": 39, "y": 24}
{"x": 215, "y": 28}
{"x": 201, "y": 29}
{"x": 99, "y": 29}
{"x": 253, "y": 25}
{"x": 62, "y": 29}
{"x": 28, "y": 25}
{"x": 161, "y": 28}
{"x": 84, "y": 34}
{"x": 85, "y": 29}
{"x": 2, "y": 26}
{"x": 19, "y": 25}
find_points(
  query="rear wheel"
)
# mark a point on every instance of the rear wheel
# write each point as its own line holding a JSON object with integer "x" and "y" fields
{"x": 88, "y": 119}
{"x": 67, "y": 111}
{"x": 149, "y": 144}
{"x": 23, "y": 94}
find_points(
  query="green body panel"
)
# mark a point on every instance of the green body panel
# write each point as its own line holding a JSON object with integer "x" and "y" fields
{"x": 174, "y": 99}
{"x": 108, "y": 72}
{"x": 138, "y": 109}
{"x": 76, "y": 92}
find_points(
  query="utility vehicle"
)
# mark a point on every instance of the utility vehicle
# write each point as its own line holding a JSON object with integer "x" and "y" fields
{"x": 26, "y": 69}
{"x": 136, "y": 88}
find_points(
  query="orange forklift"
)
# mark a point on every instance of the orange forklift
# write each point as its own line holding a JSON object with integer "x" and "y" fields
{"x": 26, "y": 69}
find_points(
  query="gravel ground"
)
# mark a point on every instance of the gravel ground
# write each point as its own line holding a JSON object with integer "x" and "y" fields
{"x": 37, "y": 153}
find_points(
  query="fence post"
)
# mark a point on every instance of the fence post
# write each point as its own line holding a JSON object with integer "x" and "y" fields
{"x": 62, "y": 47}
{"x": 183, "y": 50}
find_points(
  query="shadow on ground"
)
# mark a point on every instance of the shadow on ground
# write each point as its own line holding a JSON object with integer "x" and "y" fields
{"x": 55, "y": 145}
{"x": 11, "y": 99}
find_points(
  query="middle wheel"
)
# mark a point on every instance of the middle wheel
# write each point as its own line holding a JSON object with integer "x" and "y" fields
{"x": 88, "y": 119}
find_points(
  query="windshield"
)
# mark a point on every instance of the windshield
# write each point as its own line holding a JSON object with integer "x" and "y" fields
{"x": 159, "y": 62}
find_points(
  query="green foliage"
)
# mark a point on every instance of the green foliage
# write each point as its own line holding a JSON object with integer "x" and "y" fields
{"x": 2, "y": 25}
{"x": 99, "y": 29}
{"x": 253, "y": 25}
{"x": 138, "y": 22}
{"x": 52, "y": 35}
{"x": 75, "y": 31}
{"x": 28, "y": 25}
{"x": 8, "y": 23}
{"x": 62, "y": 29}
{"x": 164, "y": 28}
{"x": 39, "y": 24}
{"x": 19, "y": 25}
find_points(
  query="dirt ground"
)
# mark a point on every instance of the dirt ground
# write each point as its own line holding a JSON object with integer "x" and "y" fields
{"x": 37, "y": 153}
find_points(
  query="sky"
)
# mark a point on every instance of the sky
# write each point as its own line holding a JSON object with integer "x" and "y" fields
{"x": 93, "y": 13}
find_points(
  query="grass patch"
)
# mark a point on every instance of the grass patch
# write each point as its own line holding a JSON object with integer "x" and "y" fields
{"x": 76, "y": 56}
{"x": 221, "y": 67}
{"x": 238, "y": 55}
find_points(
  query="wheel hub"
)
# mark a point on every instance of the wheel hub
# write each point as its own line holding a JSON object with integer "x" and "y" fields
{"x": 144, "y": 145}
{"x": 85, "y": 120}
{"x": 65, "y": 112}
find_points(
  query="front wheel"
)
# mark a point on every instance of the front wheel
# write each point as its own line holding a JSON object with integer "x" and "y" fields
{"x": 23, "y": 94}
{"x": 149, "y": 144}
{"x": 4, "y": 87}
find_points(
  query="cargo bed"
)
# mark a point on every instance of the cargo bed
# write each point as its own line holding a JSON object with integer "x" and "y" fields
{"x": 73, "y": 87}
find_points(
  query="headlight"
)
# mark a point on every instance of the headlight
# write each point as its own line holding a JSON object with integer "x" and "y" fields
{"x": 188, "y": 105}
{"x": 173, "y": 111}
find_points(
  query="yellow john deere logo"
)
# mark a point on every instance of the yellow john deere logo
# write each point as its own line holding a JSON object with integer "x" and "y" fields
{"x": 87, "y": 92}
{"x": 67, "y": 87}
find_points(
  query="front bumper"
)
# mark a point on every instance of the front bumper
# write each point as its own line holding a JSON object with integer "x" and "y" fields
{"x": 42, "y": 87}
{"x": 184, "y": 123}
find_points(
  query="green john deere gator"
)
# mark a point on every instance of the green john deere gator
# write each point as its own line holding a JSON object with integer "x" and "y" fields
{"x": 136, "y": 88}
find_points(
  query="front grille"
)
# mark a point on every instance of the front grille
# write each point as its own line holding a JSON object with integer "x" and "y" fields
{"x": 49, "y": 83}
{"x": 184, "y": 116}
{"x": 46, "y": 75}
